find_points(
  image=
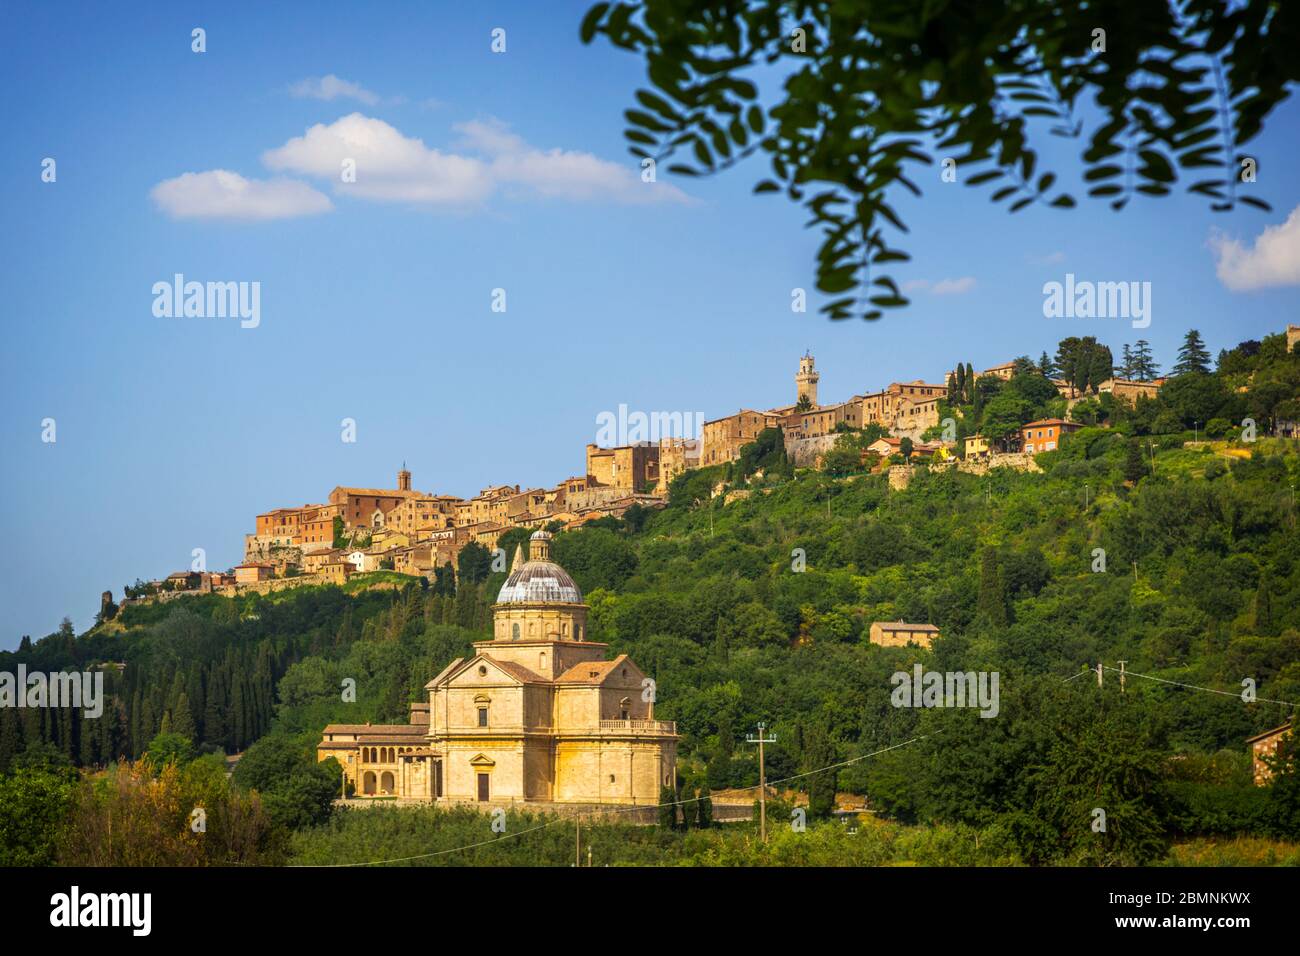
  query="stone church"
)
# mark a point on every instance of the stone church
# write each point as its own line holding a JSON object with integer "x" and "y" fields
{"x": 536, "y": 715}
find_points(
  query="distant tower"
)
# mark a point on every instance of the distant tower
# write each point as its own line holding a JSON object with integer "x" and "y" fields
{"x": 806, "y": 381}
{"x": 403, "y": 479}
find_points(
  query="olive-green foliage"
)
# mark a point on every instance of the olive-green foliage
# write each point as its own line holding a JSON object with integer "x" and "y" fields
{"x": 866, "y": 96}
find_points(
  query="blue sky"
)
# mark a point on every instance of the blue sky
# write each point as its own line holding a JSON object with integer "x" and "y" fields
{"x": 173, "y": 433}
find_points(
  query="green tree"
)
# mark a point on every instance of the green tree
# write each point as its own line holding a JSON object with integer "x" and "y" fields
{"x": 1284, "y": 785}
{"x": 169, "y": 748}
{"x": 1134, "y": 466}
{"x": 1263, "y": 606}
{"x": 1144, "y": 367}
{"x": 704, "y": 808}
{"x": 992, "y": 604}
{"x": 1192, "y": 355}
{"x": 473, "y": 563}
{"x": 667, "y": 808}
{"x": 34, "y": 806}
{"x": 819, "y": 753}
{"x": 866, "y": 92}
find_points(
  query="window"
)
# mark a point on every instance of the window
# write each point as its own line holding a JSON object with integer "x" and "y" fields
{"x": 514, "y": 632}
{"x": 482, "y": 716}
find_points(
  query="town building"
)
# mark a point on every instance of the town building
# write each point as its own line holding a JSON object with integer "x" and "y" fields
{"x": 1263, "y": 747}
{"x": 370, "y": 507}
{"x": 1045, "y": 434}
{"x": 676, "y": 455}
{"x": 252, "y": 573}
{"x": 1130, "y": 390}
{"x": 631, "y": 467}
{"x": 898, "y": 634}
{"x": 805, "y": 382}
{"x": 723, "y": 438}
{"x": 536, "y": 715}
{"x": 1005, "y": 371}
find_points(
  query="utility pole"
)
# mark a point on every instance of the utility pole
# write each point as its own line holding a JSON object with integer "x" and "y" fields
{"x": 1121, "y": 676}
{"x": 1099, "y": 672}
{"x": 762, "y": 739}
{"x": 577, "y": 837}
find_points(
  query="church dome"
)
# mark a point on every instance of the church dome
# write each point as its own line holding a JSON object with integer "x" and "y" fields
{"x": 539, "y": 582}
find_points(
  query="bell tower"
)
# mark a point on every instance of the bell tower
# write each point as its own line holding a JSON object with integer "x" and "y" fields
{"x": 805, "y": 382}
{"x": 403, "y": 479}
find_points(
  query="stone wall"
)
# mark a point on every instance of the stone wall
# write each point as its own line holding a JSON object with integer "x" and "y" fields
{"x": 980, "y": 466}
{"x": 807, "y": 452}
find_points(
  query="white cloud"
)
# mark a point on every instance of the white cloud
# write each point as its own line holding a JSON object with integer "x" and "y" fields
{"x": 331, "y": 87}
{"x": 389, "y": 166}
{"x": 488, "y": 156}
{"x": 1051, "y": 259}
{"x": 942, "y": 287}
{"x": 1273, "y": 260}
{"x": 221, "y": 194}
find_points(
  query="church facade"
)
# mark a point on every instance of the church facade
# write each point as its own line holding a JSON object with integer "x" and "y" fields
{"x": 536, "y": 715}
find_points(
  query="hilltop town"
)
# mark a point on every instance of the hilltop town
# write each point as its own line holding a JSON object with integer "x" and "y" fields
{"x": 410, "y": 532}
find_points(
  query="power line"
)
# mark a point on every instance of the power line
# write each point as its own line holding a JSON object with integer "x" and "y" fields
{"x": 1208, "y": 690}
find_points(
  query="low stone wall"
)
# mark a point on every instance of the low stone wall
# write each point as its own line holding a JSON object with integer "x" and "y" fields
{"x": 980, "y": 466}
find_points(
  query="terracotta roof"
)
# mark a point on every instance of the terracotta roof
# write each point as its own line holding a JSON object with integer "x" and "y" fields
{"x": 379, "y": 492}
{"x": 900, "y": 626}
{"x": 1050, "y": 421}
{"x": 519, "y": 671}
{"x": 444, "y": 672}
{"x": 402, "y": 730}
{"x": 1269, "y": 733}
{"x": 590, "y": 672}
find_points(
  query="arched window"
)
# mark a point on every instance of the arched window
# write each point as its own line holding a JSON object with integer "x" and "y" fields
{"x": 514, "y": 632}
{"x": 541, "y": 662}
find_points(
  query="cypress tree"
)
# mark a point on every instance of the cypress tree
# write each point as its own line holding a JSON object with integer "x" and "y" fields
{"x": 1263, "y": 606}
{"x": 1134, "y": 469}
{"x": 667, "y": 809}
{"x": 819, "y": 753}
{"x": 992, "y": 604}
{"x": 704, "y": 808}
{"x": 182, "y": 720}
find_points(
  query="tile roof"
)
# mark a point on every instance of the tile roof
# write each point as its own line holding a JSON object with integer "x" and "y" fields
{"x": 590, "y": 672}
{"x": 402, "y": 730}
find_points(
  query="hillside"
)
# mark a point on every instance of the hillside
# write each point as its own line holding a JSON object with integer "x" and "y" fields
{"x": 1201, "y": 587}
